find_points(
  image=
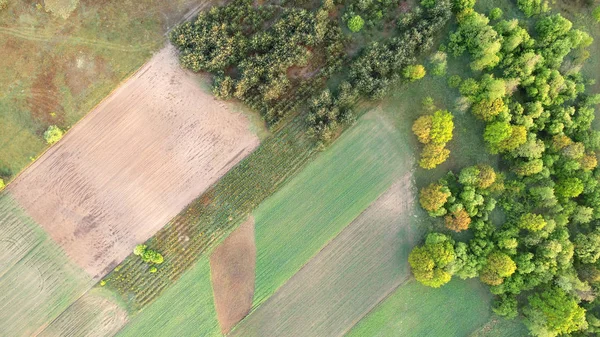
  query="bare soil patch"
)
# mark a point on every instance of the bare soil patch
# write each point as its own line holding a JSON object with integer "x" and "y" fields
{"x": 232, "y": 267}
{"x": 132, "y": 164}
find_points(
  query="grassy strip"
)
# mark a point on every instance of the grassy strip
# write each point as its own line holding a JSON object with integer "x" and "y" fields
{"x": 215, "y": 214}
{"x": 456, "y": 309}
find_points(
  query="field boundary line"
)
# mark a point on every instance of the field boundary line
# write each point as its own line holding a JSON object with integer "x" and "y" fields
{"x": 381, "y": 300}
{"x": 304, "y": 265}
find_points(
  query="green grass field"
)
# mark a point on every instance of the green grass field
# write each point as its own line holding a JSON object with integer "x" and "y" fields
{"x": 37, "y": 279}
{"x": 456, "y": 309}
{"x": 296, "y": 222}
{"x": 186, "y": 309}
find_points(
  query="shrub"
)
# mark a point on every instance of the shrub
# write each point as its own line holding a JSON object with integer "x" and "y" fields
{"x": 439, "y": 63}
{"x": 148, "y": 255}
{"x": 496, "y": 14}
{"x": 61, "y": 8}
{"x": 355, "y": 23}
{"x": 454, "y": 81}
{"x": 3, "y": 4}
{"x": 596, "y": 14}
{"x": 2, "y": 185}
{"x": 414, "y": 72}
{"x": 53, "y": 134}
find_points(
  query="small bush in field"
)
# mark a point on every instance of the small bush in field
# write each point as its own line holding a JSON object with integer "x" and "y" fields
{"x": 53, "y": 134}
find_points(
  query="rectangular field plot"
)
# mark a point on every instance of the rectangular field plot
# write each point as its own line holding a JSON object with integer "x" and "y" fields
{"x": 132, "y": 164}
{"x": 345, "y": 280}
{"x": 297, "y": 221}
{"x": 38, "y": 281}
{"x": 413, "y": 310}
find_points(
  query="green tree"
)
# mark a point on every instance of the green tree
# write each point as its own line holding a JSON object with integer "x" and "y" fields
{"x": 431, "y": 263}
{"x": 442, "y": 125}
{"x": 53, "y": 134}
{"x": 487, "y": 109}
{"x": 454, "y": 81}
{"x": 532, "y": 222}
{"x": 433, "y": 155}
{"x": 496, "y": 14}
{"x": 569, "y": 187}
{"x": 433, "y": 198}
{"x": 587, "y": 247}
{"x": 497, "y": 267}
{"x": 356, "y": 23}
{"x": 414, "y": 72}
{"x": 553, "y": 312}
{"x": 496, "y": 133}
{"x": 533, "y": 7}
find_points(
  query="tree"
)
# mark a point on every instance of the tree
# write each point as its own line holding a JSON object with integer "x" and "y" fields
{"x": 355, "y": 23}
{"x": 587, "y": 247}
{"x": 148, "y": 255}
{"x": 553, "y": 312}
{"x": 414, "y": 72}
{"x": 433, "y": 197}
{"x": 432, "y": 262}
{"x": 454, "y": 81}
{"x": 533, "y": 7}
{"x": 495, "y": 133}
{"x": 532, "y": 222}
{"x": 486, "y": 177}
{"x": 487, "y": 109}
{"x": 442, "y": 125}
{"x": 498, "y": 266}
{"x": 528, "y": 168}
{"x": 506, "y": 305}
{"x": 438, "y": 63}
{"x": 569, "y": 187}
{"x": 422, "y": 128}
{"x": 53, "y": 134}
{"x": 433, "y": 155}
{"x": 460, "y": 6}
{"x": 496, "y": 13}
{"x": 458, "y": 220}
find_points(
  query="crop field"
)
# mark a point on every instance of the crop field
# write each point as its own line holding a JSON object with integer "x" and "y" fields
{"x": 56, "y": 66}
{"x": 301, "y": 218}
{"x": 414, "y": 310}
{"x": 186, "y": 309}
{"x": 96, "y": 313}
{"x": 37, "y": 280}
{"x": 346, "y": 279}
{"x": 132, "y": 164}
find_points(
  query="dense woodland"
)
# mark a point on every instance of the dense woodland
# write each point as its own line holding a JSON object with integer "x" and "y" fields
{"x": 542, "y": 260}
{"x": 540, "y": 254}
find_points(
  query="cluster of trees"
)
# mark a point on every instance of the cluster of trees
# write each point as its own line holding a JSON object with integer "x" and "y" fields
{"x": 149, "y": 256}
{"x": 533, "y": 7}
{"x": 251, "y": 49}
{"x": 543, "y": 261}
{"x": 434, "y": 131}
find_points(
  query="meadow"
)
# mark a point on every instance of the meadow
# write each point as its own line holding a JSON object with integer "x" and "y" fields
{"x": 414, "y": 310}
{"x": 54, "y": 70}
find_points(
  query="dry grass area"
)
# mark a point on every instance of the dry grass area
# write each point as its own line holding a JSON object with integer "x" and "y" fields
{"x": 232, "y": 266}
{"x": 346, "y": 279}
{"x": 132, "y": 164}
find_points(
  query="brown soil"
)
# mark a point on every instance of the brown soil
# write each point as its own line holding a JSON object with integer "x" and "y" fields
{"x": 232, "y": 267}
{"x": 132, "y": 164}
{"x": 44, "y": 100}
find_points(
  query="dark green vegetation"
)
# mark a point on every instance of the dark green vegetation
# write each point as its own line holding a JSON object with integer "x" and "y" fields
{"x": 539, "y": 253}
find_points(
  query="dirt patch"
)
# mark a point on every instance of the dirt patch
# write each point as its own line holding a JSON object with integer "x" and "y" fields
{"x": 44, "y": 99}
{"x": 132, "y": 164}
{"x": 232, "y": 267}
